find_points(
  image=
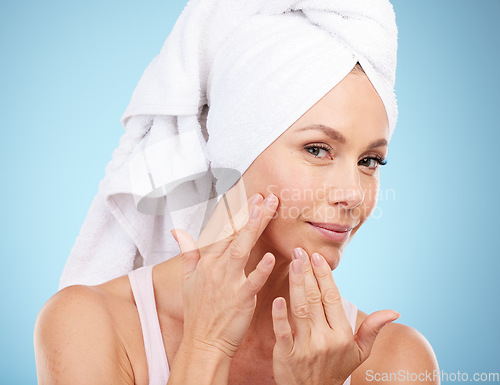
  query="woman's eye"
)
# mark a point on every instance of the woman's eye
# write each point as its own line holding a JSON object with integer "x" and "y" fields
{"x": 372, "y": 163}
{"x": 317, "y": 151}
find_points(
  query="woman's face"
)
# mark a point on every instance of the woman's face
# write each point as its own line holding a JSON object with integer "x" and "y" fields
{"x": 324, "y": 170}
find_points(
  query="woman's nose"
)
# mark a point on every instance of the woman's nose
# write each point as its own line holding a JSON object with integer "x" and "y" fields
{"x": 345, "y": 187}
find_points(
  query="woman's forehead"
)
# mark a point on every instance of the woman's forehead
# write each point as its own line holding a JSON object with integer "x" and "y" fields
{"x": 353, "y": 104}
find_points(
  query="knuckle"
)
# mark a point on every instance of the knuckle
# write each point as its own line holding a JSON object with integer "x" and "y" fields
{"x": 236, "y": 250}
{"x": 301, "y": 311}
{"x": 241, "y": 218}
{"x": 332, "y": 297}
{"x": 323, "y": 274}
{"x": 371, "y": 329}
{"x": 217, "y": 248}
{"x": 227, "y": 230}
{"x": 313, "y": 296}
{"x": 251, "y": 225}
{"x": 282, "y": 334}
{"x": 374, "y": 331}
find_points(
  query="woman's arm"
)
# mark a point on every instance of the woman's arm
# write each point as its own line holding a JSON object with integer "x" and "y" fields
{"x": 76, "y": 343}
{"x": 75, "y": 338}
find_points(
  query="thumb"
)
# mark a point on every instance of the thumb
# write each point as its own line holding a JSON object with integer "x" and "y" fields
{"x": 190, "y": 254}
{"x": 370, "y": 328}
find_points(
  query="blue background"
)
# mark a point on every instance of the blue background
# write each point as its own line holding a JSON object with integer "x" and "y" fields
{"x": 68, "y": 70}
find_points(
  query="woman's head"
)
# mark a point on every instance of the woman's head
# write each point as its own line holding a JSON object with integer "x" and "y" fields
{"x": 263, "y": 81}
{"x": 219, "y": 102}
{"x": 324, "y": 169}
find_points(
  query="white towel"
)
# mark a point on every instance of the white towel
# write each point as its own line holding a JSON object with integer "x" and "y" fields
{"x": 232, "y": 76}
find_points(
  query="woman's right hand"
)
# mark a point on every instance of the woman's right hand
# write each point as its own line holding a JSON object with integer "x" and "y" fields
{"x": 219, "y": 299}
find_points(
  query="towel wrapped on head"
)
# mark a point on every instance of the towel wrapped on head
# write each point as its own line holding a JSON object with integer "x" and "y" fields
{"x": 231, "y": 77}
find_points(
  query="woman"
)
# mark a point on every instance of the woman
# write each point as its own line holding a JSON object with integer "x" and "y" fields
{"x": 258, "y": 305}
{"x": 102, "y": 321}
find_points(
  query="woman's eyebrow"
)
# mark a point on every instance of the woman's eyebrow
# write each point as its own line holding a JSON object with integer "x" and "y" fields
{"x": 337, "y": 136}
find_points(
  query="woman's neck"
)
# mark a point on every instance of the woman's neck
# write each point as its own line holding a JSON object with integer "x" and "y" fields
{"x": 277, "y": 285}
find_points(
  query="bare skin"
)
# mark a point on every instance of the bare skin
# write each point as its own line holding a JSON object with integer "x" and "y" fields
{"x": 106, "y": 314}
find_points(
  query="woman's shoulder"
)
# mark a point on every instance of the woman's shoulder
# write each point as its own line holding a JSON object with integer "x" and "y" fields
{"x": 86, "y": 306}
{"x": 71, "y": 309}
{"x": 399, "y": 351}
{"x": 77, "y": 322}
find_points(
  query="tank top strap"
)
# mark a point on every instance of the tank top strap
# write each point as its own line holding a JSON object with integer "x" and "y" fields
{"x": 351, "y": 311}
{"x": 141, "y": 282}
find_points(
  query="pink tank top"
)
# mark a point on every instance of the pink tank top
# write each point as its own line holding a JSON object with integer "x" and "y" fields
{"x": 141, "y": 282}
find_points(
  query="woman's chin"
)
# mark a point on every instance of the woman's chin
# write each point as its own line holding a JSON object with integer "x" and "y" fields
{"x": 331, "y": 254}
{"x": 333, "y": 260}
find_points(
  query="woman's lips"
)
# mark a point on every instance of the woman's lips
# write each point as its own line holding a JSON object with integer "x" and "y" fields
{"x": 335, "y": 236}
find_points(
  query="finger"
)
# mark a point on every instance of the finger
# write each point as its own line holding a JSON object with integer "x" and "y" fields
{"x": 370, "y": 328}
{"x": 232, "y": 229}
{"x": 313, "y": 293}
{"x": 218, "y": 245}
{"x": 256, "y": 279}
{"x": 239, "y": 250}
{"x": 299, "y": 306}
{"x": 184, "y": 240}
{"x": 238, "y": 221}
{"x": 269, "y": 206}
{"x": 189, "y": 258}
{"x": 330, "y": 295}
{"x": 281, "y": 327}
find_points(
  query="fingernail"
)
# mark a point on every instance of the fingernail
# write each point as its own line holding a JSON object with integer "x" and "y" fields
{"x": 316, "y": 258}
{"x": 297, "y": 266}
{"x": 256, "y": 198}
{"x": 271, "y": 200}
{"x": 268, "y": 259}
{"x": 392, "y": 319}
{"x": 279, "y": 303}
{"x": 299, "y": 253}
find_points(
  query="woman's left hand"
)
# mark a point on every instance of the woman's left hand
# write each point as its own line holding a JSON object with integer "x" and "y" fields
{"x": 322, "y": 348}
